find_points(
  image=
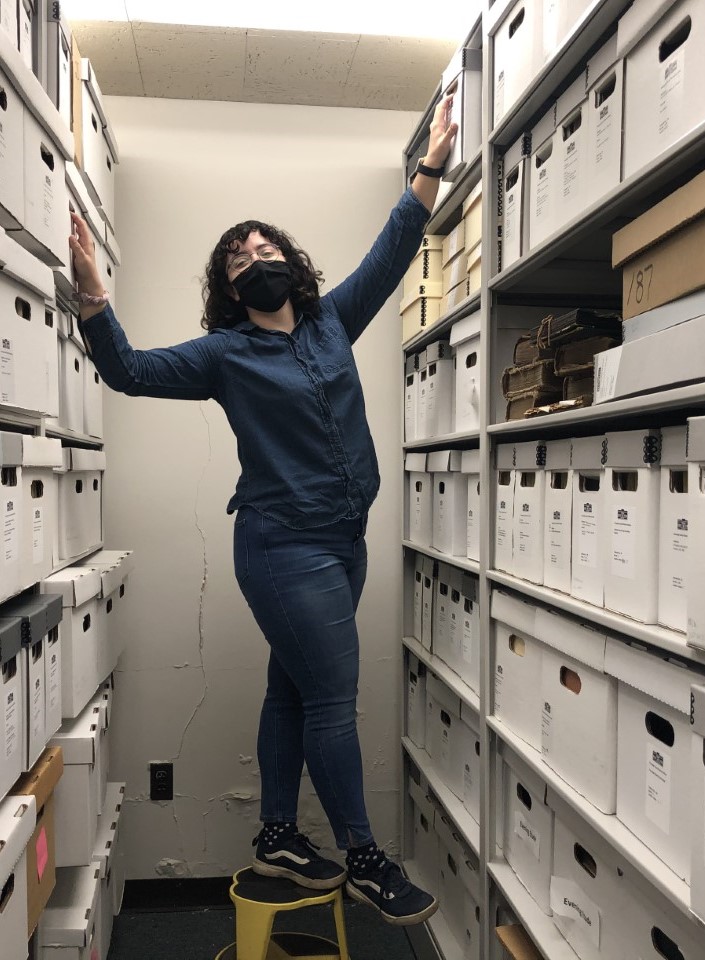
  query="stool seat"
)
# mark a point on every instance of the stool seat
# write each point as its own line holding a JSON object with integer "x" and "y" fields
{"x": 258, "y": 899}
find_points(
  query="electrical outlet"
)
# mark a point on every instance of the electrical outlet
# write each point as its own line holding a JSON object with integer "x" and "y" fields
{"x": 161, "y": 781}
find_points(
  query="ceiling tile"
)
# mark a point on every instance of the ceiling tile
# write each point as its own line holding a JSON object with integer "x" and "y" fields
{"x": 297, "y": 59}
{"x": 396, "y": 60}
{"x": 111, "y": 49}
{"x": 385, "y": 96}
{"x": 193, "y": 49}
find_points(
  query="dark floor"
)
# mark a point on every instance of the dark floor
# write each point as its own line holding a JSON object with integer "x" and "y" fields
{"x": 200, "y": 934}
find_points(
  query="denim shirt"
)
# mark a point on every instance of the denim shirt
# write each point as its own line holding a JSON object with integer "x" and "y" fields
{"x": 294, "y": 401}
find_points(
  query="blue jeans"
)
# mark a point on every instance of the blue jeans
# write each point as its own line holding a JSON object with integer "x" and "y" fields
{"x": 303, "y": 587}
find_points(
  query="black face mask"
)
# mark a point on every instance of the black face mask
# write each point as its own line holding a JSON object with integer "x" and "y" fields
{"x": 264, "y": 286}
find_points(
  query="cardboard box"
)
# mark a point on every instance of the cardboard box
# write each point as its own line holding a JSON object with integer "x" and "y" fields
{"x": 664, "y": 75}
{"x": 518, "y": 54}
{"x": 428, "y": 595}
{"x": 17, "y": 821}
{"x": 468, "y": 760}
{"x": 697, "y": 834}
{"x": 426, "y": 852}
{"x": 43, "y": 230}
{"x": 426, "y": 265}
{"x": 453, "y": 243}
{"x": 77, "y": 796}
{"x": 665, "y": 317}
{"x": 12, "y": 703}
{"x": 80, "y": 501}
{"x": 99, "y": 148}
{"x": 114, "y": 567}
{"x": 81, "y": 635}
{"x": 474, "y": 278}
{"x": 579, "y": 719}
{"x": 605, "y": 108}
{"x": 472, "y": 215}
{"x": 68, "y": 928}
{"x": 58, "y": 61}
{"x": 458, "y": 889}
{"x": 421, "y": 396}
{"x": 589, "y": 534}
{"x": 695, "y": 598}
{"x": 560, "y": 18}
{"x": 420, "y": 499}
{"x": 504, "y": 510}
{"x": 558, "y": 510}
{"x": 655, "y": 774}
{"x": 11, "y": 154}
{"x": 26, "y": 29}
{"x": 454, "y": 297}
{"x": 517, "y": 667}
{"x": 571, "y": 142}
{"x": 449, "y": 502}
{"x": 455, "y": 621}
{"x": 466, "y": 89}
{"x": 465, "y": 340}
{"x": 664, "y": 360}
{"x": 40, "y": 783}
{"x": 441, "y": 615}
{"x": 411, "y": 391}
{"x": 543, "y": 179}
{"x": 632, "y": 507}
{"x": 528, "y": 828}
{"x": 40, "y": 507}
{"x": 416, "y": 702}
{"x": 420, "y": 309}
{"x": 470, "y": 665}
{"x": 529, "y": 502}
{"x": 516, "y": 943}
{"x": 92, "y": 401}
{"x": 674, "y": 502}
{"x": 108, "y": 854}
{"x": 470, "y": 468}
{"x": 515, "y": 203}
{"x": 659, "y": 251}
{"x": 110, "y": 263}
{"x": 435, "y": 414}
{"x": 454, "y": 272}
{"x": 444, "y": 733}
{"x": 418, "y": 590}
{"x": 12, "y": 514}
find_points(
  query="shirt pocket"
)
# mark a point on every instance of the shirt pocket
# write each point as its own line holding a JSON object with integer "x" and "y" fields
{"x": 335, "y": 349}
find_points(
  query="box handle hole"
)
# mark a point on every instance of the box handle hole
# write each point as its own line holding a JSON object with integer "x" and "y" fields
{"x": 516, "y": 22}
{"x": 47, "y": 157}
{"x": 678, "y": 481}
{"x": 625, "y": 480}
{"x": 23, "y": 308}
{"x": 524, "y": 796}
{"x": 37, "y": 490}
{"x": 664, "y": 946}
{"x": 660, "y": 728}
{"x": 588, "y": 483}
{"x": 675, "y": 39}
{"x": 586, "y": 861}
{"x": 604, "y": 92}
{"x": 517, "y": 645}
{"x": 570, "y": 680}
{"x": 471, "y": 360}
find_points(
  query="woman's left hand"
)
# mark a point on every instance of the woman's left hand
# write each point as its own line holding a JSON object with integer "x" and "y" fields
{"x": 442, "y": 132}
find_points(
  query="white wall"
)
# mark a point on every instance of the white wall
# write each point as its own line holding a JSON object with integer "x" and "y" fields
{"x": 190, "y": 686}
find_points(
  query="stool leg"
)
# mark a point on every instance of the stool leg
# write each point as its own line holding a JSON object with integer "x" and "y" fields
{"x": 253, "y": 928}
{"x": 340, "y": 927}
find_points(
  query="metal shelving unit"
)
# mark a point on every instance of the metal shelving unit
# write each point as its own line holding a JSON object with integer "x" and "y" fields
{"x": 451, "y": 679}
{"x": 443, "y": 325}
{"x": 472, "y": 566}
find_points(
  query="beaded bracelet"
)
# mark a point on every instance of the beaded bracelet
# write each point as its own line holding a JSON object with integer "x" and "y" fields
{"x": 92, "y": 301}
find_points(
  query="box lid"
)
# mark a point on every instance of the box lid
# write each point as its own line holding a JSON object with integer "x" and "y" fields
{"x": 444, "y": 461}
{"x": 445, "y": 573}
{"x": 40, "y": 781}
{"x": 518, "y": 150}
{"x": 472, "y": 198}
{"x": 588, "y": 453}
{"x": 602, "y": 61}
{"x": 111, "y": 244}
{"x": 695, "y": 441}
{"x": 108, "y": 822}
{"x": 411, "y": 364}
{"x": 438, "y": 350}
{"x": 18, "y": 263}
{"x": 636, "y": 22}
{"x": 577, "y": 640}
{"x": 69, "y": 917}
{"x": 474, "y": 257}
{"x": 89, "y": 77}
{"x": 78, "y": 738}
{"x": 674, "y": 442}
{"x": 671, "y": 214}
{"x": 87, "y": 459}
{"x": 465, "y": 329}
{"x": 559, "y": 454}
{"x": 470, "y": 587}
{"x": 439, "y": 691}
{"x": 522, "y": 771}
{"x": 663, "y": 678}
{"x": 470, "y": 461}
{"x": 633, "y": 448}
{"x": 86, "y": 208}
{"x": 32, "y": 616}
{"x": 18, "y": 818}
{"x": 10, "y": 449}
{"x": 77, "y": 585}
{"x": 430, "y": 567}
{"x": 544, "y": 129}
{"x": 429, "y": 289}
{"x": 504, "y": 454}
{"x": 513, "y": 612}
{"x": 41, "y": 452}
{"x": 697, "y": 709}
{"x": 516, "y": 942}
{"x": 10, "y": 638}
{"x": 571, "y": 99}
{"x": 415, "y": 462}
{"x": 530, "y": 455}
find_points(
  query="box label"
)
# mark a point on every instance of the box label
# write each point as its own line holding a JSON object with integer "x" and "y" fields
{"x": 570, "y": 902}
{"x": 467, "y": 785}
{"x": 54, "y": 680}
{"x": 498, "y": 683}
{"x": 417, "y": 612}
{"x": 528, "y": 834}
{"x": 558, "y": 538}
{"x": 445, "y": 748}
{"x": 606, "y": 371}
{"x": 658, "y": 785}
{"x": 571, "y": 168}
{"x": 605, "y": 139}
{"x": 587, "y": 552}
{"x": 7, "y": 370}
{"x": 499, "y": 98}
{"x": 454, "y": 636}
{"x": 11, "y": 719}
{"x": 672, "y": 95}
{"x": 526, "y": 530}
{"x": 679, "y": 546}
{"x": 503, "y": 529}
{"x": 546, "y": 729}
{"x": 37, "y": 535}
{"x": 467, "y": 641}
{"x": 37, "y": 709}
{"x": 624, "y": 535}
{"x": 10, "y": 532}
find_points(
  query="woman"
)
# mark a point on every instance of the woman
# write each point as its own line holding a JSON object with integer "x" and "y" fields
{"x": 278, "y": 359}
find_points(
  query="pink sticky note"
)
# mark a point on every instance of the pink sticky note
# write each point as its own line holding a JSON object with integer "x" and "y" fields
{"x": 94, "y": 953}
{"x": 42, "y": 853}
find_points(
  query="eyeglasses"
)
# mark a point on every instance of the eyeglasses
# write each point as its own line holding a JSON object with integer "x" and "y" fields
{"x": 239, "y": 262}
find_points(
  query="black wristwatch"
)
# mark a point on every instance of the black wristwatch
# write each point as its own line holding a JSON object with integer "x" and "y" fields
{"x": 435, "y": 172}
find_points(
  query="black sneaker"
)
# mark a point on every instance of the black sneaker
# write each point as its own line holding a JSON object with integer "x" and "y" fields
{"x": 295, "y": 857}
{"x": 386, "y": 889}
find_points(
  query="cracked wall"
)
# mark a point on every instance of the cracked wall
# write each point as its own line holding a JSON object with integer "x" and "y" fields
{"x": 191, "y": 683}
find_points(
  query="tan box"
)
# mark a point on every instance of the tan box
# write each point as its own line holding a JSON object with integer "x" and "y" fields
{"x": 474, "y": 269}
{"x": 453, "y": 243}
{"x": 454, "y": 297}
{"x": 661, "y": 251}
{"x": 41, "y": 861}
{"x": 472, "y": 215}
{"x": 516, "y": 943}
{"x": 454, "y": 271}
{"x": 419, "y": 309}
{"x": 426, "y": 265}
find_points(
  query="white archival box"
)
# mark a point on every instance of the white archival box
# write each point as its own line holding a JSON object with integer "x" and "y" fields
{"x": 8, "y": 20}
{"x": 418, "y": 595}
{"x": 458, "y": 888}
{"x": 632, "y": 509}
{"x": 439, "y": 387}
{"x": 504, "y": 509}
{"x": 543, "y": 179}
{"x": 674, "y": 503}
{"x": 558, "y": 511}
{"x": 80, "y": 500}
{"x": 111, "y": 262}
{"x": 92, "y": 400}
{"x": 420, "y": 521}
{"x": 426, "y": 853}
{"x": 469, "y": 669}
{"x": 449, "y": 509}
{"x": 11, "y": 702}
{"x": 411, "y": 390}
{"x": 517, "y": 667}
{"x": 463, "y": 79}
{"x": 560, "y": 18}
{"x": 527, "y": 827}
{"x": 453, "y": 243}
{"x": 472, "y": 215}
{"x": 17, "y": 822}
{"x": 444, "y": 735}
{"x": 467, "y": 760}
{"x": 11, "y": 155}
{"x": 428, "y": 596}
{"x": 695, "y": 595}
{"x": 421, "y": 396}
{"x": 697, "y": 833}
{"x": 26, "y": 28}
{"x": 465, "y": 339}
{"x": 579, "y": 719}
{"x": 420, "y": 308}
{"x": 470, "y": 468}
{"x": 416, "y": 702}
{"x": 455, "y": 621}
{"x": 589, "y": 536}
{"x": 665, "y": 72}
{"x": 605, "y": 110}
{"x": 81, "y": 635}
{"x": 30, "y": 378}
{"x": 426, "y": 265}
{"x": 655, "y": 775}
{"x": 12, "y": 515}
{"x": 529, "y": 503}
{"x": 441, "y": 614}
{"x": 571, "y": 141}
{"x": 515, "y": 202}
{"x": 114, "y": 567}
{"x": 99, "y": 147}
{"x": 518, "y": 54}
{"x": 68, "y": 926}
{"x": 77, "y": 795}
{"x": 72, "y": 385}
{"x": 44, "y": 223}
{"x": 59, "y": 67}
{"x": 40, "y": 507}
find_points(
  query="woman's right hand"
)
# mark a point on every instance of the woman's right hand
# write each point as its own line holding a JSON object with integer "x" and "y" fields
{"x": 84, "y": 265}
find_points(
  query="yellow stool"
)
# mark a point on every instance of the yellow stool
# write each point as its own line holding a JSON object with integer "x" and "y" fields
{"x": 258, "y": 899}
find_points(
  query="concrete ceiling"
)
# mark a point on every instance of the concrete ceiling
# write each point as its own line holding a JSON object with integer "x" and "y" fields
{"x": 261, "y": 66}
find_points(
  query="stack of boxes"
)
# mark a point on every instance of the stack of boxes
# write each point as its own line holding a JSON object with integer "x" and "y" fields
{"x": 60, "y": 635}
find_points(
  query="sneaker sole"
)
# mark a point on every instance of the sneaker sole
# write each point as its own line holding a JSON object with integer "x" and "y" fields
{"x": 269, "y": 870}
{"x": 397, "y": 921}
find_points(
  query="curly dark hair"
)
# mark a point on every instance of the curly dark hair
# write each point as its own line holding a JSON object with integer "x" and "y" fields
{"x": 220, "y": 310}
